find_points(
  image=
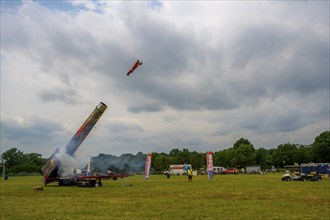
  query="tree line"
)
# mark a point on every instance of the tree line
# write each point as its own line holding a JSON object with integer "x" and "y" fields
{"x": 240, "y": 155}
{"x": 17, "y": 162}
{"x": 243, "y": 153}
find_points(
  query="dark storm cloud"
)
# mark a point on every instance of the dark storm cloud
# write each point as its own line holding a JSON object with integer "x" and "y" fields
{"x": 265, "y": 123}
{"x": 287, "y": 114}
{"x": 180, "y": 96}
{"x": 258, "y": 42}
{"x": 273, "y": 60}
{"x": 167, "y": 49}
{"x": 309, "y": 70}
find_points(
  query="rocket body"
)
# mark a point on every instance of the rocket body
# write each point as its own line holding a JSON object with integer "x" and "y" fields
{"x": 84, "y": 130}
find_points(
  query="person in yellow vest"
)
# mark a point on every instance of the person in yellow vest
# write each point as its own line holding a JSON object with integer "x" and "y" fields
{"x": 190, "y": 175}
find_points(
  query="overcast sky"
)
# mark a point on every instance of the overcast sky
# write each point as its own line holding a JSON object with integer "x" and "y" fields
{"x": 212, "y": 72}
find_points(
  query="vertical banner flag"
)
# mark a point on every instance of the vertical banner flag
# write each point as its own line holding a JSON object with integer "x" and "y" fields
{"x": 89, "y": 166}
{"x": 148, "y": 165}
{"x": 209, "y": 162}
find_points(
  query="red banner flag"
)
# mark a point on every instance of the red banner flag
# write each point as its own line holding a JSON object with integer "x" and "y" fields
{"x": 209, "y": 162}
{"x": 148, "y": 165}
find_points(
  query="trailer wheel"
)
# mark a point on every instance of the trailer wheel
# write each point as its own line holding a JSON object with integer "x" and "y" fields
{"x": 97, "y": 185}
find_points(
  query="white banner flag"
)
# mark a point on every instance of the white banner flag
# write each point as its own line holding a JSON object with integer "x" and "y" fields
{"x": 89, "y": 166}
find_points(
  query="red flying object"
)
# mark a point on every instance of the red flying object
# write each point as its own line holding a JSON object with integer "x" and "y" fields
{"x": 136, "y": 64}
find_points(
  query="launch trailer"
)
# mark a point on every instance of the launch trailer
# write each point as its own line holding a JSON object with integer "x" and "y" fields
{"x": 88, "y": 181}
{"x": 52, "y": 169}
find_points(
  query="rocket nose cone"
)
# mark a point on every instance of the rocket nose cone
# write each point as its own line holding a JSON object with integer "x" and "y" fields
{"x": 102, "y": 106}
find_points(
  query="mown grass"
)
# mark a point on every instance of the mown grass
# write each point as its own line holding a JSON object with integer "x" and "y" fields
{"x": 225, "y": 197}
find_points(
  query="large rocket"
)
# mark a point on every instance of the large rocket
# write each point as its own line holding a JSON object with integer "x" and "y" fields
{"x": 52, "y": 167}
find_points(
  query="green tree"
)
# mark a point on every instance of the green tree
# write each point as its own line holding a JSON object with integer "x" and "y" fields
{"x": 159, "y": 162}
{"x": 220, "y": 158}
{"x": 232, "y": 157}
{"x": 14, "y": 160}
{"x": 33, "y": 162}
{"x": 184, "y": 157}
{"x": 285, "y": 154}
{"x": 174, "y": 152}
{"x": 175, "y": 156}
{"x": 242, "y": 141}
{"x": 198, "y": 160}
{"x": 245, "y": 155}
{"x": 321, "y": 147}
{"x": 226, "y": 158}
{"x": 261, "y": 158}
{"x": 217, "y": 159}
{"x": 18, "y": 162}
{"x": 304, "y": 154}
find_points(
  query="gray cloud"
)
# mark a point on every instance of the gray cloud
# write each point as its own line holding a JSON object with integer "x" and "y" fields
{"x": 210, "y": 74}
{"x": 125, "y": 125}
{"x": 68, "y": 96}
{"x": 30, "y": 130}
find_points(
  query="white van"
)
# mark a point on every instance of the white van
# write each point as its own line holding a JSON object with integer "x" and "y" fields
{"x": 179, "y": 169}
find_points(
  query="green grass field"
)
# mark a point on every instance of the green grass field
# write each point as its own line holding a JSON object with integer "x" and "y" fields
{"x": 225, "y": 197}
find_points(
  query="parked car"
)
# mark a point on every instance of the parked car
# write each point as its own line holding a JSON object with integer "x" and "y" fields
{"x": 230, "y": 171}
{"x": 218, "y": 170}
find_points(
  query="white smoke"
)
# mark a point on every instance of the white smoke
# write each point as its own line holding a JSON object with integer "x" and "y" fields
{"x": 124, "y": 163}
{"x": 67, "y": 163}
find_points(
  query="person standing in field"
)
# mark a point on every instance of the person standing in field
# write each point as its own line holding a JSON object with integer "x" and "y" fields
{"x": 190, "y": 175}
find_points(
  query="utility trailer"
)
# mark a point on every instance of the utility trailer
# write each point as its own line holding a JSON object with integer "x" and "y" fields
{"x": 89, "y": 181}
